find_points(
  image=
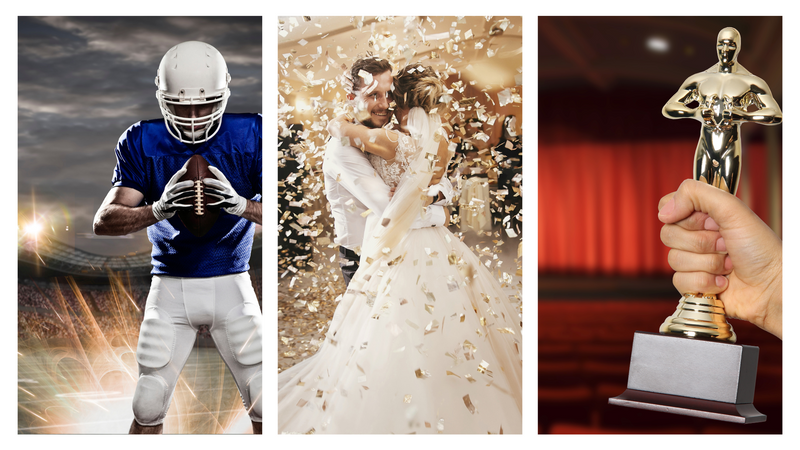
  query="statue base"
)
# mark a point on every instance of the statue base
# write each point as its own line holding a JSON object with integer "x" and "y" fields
{"x": 693, "y": 377}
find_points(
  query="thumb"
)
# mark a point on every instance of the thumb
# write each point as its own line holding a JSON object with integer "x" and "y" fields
{"x": 217, "y": 173}
{"x": 694, "y": 196}
{"x": 177, "y": 176}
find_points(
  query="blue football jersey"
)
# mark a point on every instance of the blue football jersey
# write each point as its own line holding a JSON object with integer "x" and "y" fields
{"x": 147, "y": 157}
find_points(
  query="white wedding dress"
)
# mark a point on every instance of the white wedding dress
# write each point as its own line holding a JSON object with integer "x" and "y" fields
{"x": 424, "y": 340}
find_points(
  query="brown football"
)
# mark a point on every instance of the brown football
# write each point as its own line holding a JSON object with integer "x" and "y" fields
{"x": 200, "y": 218}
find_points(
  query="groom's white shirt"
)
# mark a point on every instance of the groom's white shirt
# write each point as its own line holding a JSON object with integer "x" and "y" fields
{"x": 352, "y": 187}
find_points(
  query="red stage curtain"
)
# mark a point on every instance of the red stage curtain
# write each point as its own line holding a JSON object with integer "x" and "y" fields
{"x": 598, "y": 203}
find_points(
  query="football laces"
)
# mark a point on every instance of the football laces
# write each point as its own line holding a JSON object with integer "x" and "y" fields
{"x": 198, "y": 198}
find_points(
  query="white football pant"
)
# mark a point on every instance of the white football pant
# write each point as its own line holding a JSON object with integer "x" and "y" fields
{"x": 175, "y": 309}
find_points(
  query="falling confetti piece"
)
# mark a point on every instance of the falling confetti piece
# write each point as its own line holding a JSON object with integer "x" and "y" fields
{"x": 469, "y": 404}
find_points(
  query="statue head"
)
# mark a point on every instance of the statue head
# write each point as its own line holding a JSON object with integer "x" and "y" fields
{"x": 729, "y": 41}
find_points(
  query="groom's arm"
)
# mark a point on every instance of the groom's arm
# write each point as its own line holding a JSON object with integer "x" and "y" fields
{"x": 354, "y": 172}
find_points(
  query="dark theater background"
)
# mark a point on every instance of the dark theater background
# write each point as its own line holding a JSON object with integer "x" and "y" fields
{"x": 606, "y": 156}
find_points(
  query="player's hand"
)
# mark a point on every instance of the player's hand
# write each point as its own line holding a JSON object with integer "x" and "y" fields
{"x": 719, "y": 246}
{"x": 229, "y": 200}
{"x": 174, "y": 193}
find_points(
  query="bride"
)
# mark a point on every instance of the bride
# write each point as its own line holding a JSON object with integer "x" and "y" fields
{"x": 424, "y": 339}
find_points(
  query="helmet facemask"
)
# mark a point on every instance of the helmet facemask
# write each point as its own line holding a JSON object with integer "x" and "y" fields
{"x": 192, "y": 130}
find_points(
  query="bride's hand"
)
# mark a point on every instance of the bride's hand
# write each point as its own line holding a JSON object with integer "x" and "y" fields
{"x": 335, "y": 126}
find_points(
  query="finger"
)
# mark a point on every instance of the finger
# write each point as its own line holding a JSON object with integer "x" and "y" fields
{"x": 177, "y": 176}
{"x": 175, "y": 205}
{"x": 181, "y": 186}
{"x": 213, "y": 184}
{"x": 696, "y": 196}
{"x": 714, "y": 263}
{"x": 676, "y": 237}
{"x": 697, "y": 221}
{"x": 699, "y": 282}
{"x": 221, "y": 203}
{"x": 218, "y": 196}
{"x": 217, "y": 173}
{"x": 664, "y": 200}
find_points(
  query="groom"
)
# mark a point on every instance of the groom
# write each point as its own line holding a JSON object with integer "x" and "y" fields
{"x": 357, "y": 195}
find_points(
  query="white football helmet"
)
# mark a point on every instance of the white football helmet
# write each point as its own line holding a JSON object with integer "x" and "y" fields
{"x": 192, "y": 74}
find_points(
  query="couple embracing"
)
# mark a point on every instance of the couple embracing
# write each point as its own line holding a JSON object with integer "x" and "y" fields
{"x": 424, "y": 340}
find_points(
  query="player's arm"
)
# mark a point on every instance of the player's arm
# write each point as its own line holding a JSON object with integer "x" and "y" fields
{"x": 378, "y": 141}
{"x": 252, "y": 211}
{"x": 676, "y": 107}
{"x": 120, "y": 213}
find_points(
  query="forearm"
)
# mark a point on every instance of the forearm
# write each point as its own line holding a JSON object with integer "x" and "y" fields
{"x": 765, "y": 116}
{"x": 253, "y": 212}
{"x": 377, "y": 141}
{"x": 118, "y": 220}
{"x": 677, "y": 110}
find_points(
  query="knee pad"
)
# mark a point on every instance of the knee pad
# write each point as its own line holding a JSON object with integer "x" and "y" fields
{"x": 243, "y": 329}
{"x": 156, "y": 340}
{"x": 254, "y": 392}
{"x": 151, "y": 400}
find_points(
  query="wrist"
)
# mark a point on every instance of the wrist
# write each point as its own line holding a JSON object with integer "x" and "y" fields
{"x": 239, "y": 208}
{"x": 159, "y": 213}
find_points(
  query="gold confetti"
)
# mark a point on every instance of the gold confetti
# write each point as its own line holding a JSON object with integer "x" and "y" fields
{"x": 407, "y": 399}
{"x": 319, "y": 393}
{"x": 451, "y": 373}
{"x": 469, "y": 404}
{"x": 470, "y": 379}
{"x": 452, "y": 258}
{"x": 506, "y": 330}
{"x": 432, "y": 327}
{"x": 422, "y": 373}
{"x": 452, "y": 285}
{"x": 483, "y": 368}
{"x": 429, "y": 308}
{"x": 366, "y": 213}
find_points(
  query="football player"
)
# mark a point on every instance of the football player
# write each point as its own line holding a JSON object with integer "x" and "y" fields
{"x": 196, "y": 280}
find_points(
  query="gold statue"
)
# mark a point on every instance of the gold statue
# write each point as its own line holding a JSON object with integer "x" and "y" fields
{"x": 722, "y": 98}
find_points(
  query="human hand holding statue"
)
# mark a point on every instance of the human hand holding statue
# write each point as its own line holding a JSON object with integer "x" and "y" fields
{"x": 719, "y": 246}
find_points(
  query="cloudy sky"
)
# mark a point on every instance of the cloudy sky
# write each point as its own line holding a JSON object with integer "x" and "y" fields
{"x": 82, "y": 82}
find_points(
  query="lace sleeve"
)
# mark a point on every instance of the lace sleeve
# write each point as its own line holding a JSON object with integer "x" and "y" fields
{"x": 391, "y": 171}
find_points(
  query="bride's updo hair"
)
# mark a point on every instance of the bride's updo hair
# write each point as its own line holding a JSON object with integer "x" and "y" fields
{"x": 418, "y": 85}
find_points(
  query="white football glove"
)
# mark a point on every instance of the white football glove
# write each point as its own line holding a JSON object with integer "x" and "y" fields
{"x": 230, "y": 201}
{"x": 173, "y": 193}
